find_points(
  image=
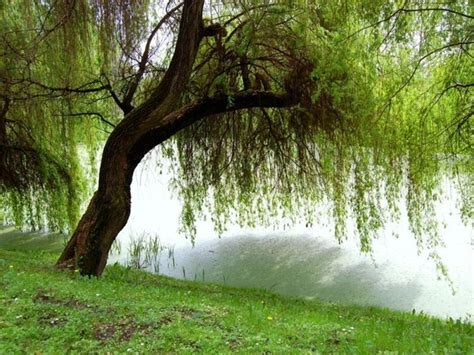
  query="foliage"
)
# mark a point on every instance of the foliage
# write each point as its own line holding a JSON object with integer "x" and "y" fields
{"x": 44, "y": 152}
{"x": 384, "y": 107}
{"x": 385, "y": 116}
{"x": 126, "y": 312}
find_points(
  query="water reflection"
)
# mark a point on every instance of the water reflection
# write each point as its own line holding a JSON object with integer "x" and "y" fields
{"x": 309, "y": 262}
{"x": 300, "y": 266}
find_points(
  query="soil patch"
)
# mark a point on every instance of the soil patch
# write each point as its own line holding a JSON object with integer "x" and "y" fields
{"x": 122, "y": 330}
{"x": 43, "y": 296}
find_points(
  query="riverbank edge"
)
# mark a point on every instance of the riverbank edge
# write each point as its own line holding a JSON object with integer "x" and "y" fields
{"x": 49, "y": 311}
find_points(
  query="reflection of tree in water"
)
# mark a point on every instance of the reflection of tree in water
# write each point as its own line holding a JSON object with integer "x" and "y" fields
{"x": 303, "y": 267}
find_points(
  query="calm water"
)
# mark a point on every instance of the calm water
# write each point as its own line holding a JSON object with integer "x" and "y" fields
{"x": 308, "y": 262}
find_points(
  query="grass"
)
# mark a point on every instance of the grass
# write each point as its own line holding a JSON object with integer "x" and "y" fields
{"x": 43, "y": 310}
{"x": 47, "y": 311}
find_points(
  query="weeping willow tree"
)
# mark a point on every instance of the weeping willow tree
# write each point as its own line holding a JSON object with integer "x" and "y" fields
{"x": 268, "y": 110}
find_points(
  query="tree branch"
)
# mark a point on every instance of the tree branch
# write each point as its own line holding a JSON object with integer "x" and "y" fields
{"x": 442, "y": 9}
{"x": 159, "y": 130}
{"x": 128, "y": 97}
{"x": 79, "y": 90}
{"x": 99, "y": 115}
{"x": 415, "y": 69}
{"x": 402, "y": 10}
{"x": 177, "y": 75}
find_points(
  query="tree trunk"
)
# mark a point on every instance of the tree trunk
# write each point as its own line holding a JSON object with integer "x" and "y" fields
{"x": 109, "y": 209}
{"x": 107, "y": 213}
{"x": 3, "y": 120}
{"x": 88, "y": 249}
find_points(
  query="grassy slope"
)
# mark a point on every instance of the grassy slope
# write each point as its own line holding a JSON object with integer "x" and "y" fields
{"x": 49, "y": 311}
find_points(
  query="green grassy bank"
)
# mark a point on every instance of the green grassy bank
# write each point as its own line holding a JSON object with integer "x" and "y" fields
{"x": 46, "y": 311}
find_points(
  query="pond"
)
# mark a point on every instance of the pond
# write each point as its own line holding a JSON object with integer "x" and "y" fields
{"x": 303, "y": 262}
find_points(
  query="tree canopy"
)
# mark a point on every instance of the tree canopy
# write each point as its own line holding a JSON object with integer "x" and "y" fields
{"x": 280, "y": 107}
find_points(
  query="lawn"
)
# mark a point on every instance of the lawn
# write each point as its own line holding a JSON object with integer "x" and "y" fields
{"x": 43, "y": 310}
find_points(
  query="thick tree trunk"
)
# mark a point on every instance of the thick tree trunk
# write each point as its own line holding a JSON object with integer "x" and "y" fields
{"x": 89, "y": 247}
{"x": 109, "y": 209}
{"x": 107, "y": 213}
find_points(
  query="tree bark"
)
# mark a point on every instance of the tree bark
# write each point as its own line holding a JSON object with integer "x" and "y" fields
{"x": 3, "y": 120}
{"x": 145, "y": 127}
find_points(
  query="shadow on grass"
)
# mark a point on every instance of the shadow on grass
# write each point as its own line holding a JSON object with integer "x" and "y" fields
{"x": 13, "y": 239}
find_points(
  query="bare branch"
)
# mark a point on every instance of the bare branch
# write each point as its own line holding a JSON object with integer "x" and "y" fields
{"x": 442, "y": 9}
{"x": 79, "y": 90}
{"x": 99, "y": 115}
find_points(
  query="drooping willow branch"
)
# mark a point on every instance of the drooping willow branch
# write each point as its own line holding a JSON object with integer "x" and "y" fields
{"x": 404, "y": 10}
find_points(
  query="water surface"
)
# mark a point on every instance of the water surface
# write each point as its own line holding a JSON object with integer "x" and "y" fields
{"x": 306, "y": 262}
